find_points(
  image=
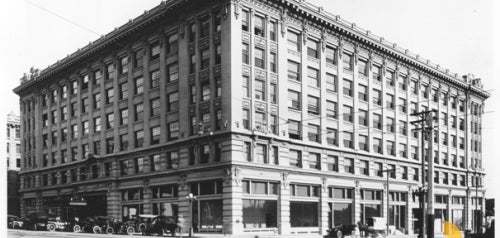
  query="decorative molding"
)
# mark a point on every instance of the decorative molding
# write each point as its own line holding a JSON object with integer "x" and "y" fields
{"x": 284, "y": 21}
{"x": 232, "y": 175}
{"x": 236, "y": 8}
{"x": 284, "y": 180}
{"x": 182, "y": 180}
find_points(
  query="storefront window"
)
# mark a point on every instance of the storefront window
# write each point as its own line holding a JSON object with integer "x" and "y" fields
{"x": 166, "y": 191}
{"x": 397, "y": 216}
{"x": 166, "y": 209}
{"x": 211, "y": 214}
{"x": 131, "y": 211}
{"x": 370, "y": 210}
{"x": 458, "y": 218}
{"x": 259, "y": 213}
{"x": 342, "y": 213}
{"x": 304, "y": 214}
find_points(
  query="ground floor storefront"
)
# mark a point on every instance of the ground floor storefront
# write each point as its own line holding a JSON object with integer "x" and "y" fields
{"x": 245, "y": 200}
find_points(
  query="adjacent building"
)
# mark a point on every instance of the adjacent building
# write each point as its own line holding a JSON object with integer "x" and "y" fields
{"x": 13, "y": 157}
{"x": 278, "y": 116}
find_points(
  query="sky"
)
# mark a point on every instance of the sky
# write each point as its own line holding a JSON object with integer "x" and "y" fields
{"x": 457, "y": 34}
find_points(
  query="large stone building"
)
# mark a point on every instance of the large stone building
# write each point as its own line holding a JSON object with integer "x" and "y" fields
{"x": 276, "y": 115}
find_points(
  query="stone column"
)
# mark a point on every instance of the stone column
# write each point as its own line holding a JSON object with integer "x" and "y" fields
{"x": 284, "y": 206}
{"x": 232, "y": 214}
{"x": 357, "y": 203}
{"x": 114, "y": 201}
{"x": 324, "y": 208}
{"x": 184, "y": 212}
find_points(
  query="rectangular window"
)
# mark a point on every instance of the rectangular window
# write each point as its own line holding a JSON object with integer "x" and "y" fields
{"x": 260, "y": 154}
{"x": 259, "y": 59}
{"x": 313, "y": 106}
{"x": 124, "y": 142}
{"x": 259, "y": 26}
{"x": 172, "y": 43}
{"x": 139, "y": 138}
{"x": 246, "y": 119}
{"x": 173, "y": 130}
{"x": 314, "y": 133}
{"x": 293, "y": 71}
{"x": 273, "y": 91}
{"x": 363, "y": 142}
{"x": 172, "y": 71}
{"x": 295, "y": 158}
{"x": 110, "y": 120}
{"x": 85, "y": 105}
{"x": 348, "y": 139}
{"x": 330, "y": 55}
{"x": 348, "y": 114}
{"x": 124, "y": 116}
{"x": 205, "y": 59}
{"x": 331, "y": 82}
{"x": 331, "y": 136}
{"x": 347, "y": 61}
{"x": 362, "y": 69}
{"x": 331, "y": 109}
{"x": 349, "y": 165}
{"x": 273, "y": 27}
{"x": 402, "y": 82}
{"x": 273, "y": 61}
{"x": 293, "y": 100}
{"x": 376, "y": 71}
{"x": 155, "y": 107}
{"x": 139, "y": 112}
{"x": 389, "y": 78}
{"x": 313, "y": 48}
{"x": 204, "y": 27}
{"x": 154, "y": 50}
{"x": 110, "y": 145}
{"x": 313, "y": 76}
{"x": 294, "y": 130}
{"x": 124, "y": 65}
{"x": 245, "y": 53}
{"x": 155, "y": 135}
{"x": 245, "y": 86}
{"x": 293, "y": 41}
{"x": 347, "y": 87}
{"x": 363, "y": 117}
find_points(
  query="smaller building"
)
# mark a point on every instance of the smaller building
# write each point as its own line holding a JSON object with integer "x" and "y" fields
{"x": 13, "y": 159}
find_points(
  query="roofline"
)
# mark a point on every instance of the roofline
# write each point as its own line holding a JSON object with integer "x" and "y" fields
{"x": 302, "y": 7}
{"x": 105, "y": 40}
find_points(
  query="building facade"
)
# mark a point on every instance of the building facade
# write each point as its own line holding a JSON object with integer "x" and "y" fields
{"x": 13, "y": 157}
{"x": 278, "y": 116}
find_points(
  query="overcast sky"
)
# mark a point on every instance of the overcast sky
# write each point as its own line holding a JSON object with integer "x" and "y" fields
{"x": 457, "y": 34}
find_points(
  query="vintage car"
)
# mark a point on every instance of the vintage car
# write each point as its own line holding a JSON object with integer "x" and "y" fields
{"x": 341, "y": 230}
{"x": 84, "y": 225}
{"x": 55, "y": 223}
{"x": 138, "y": 223}
{"x": 36, "y": 222}
{"x": 160, "y": 225}
{"x": 101, "y": 223}
{"x": 14, "y": 222}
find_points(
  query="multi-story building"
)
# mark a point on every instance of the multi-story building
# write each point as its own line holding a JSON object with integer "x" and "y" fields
{"x": 13, "y": 142}
{"x": 13, "y": 157}
{"x": 276, "y": 115}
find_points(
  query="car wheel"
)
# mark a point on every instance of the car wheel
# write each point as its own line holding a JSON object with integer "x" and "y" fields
{"x": 141, "y": 227}
{"x": 339, "y": 234}
{"x": 77, "y": 228}
{"x": 130, "y": 230}
{"x": 96, "y": 229}
{"x": 35, "y": 227}
{"x": 15, "y": 226}
{"x": 51, "y": 227}
{"x": 110, "y": 230}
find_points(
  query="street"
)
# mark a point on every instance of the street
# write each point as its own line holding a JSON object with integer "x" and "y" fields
{"x": 36, "y": 234}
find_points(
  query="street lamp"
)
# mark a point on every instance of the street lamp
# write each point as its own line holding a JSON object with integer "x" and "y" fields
{"x": 190, "y": 198}
{"x": 387, "y": 171}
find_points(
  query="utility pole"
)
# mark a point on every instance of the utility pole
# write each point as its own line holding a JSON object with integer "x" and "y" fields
{"x": 426, "y": 127}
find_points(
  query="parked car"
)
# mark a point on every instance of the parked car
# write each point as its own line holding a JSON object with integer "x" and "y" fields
{"x": 14, "y": 222}
{"x": 138, "y": 223}
{"x": 101, "y": 223}
{"x": 36, "y": 222}
{"x": 56, "y": 223}
{"x": 341, "y": 230}
{"x": 82, "y": 225}
{"x": 160, "y": 225}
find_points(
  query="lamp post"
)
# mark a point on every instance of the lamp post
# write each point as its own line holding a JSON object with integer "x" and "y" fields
{"x": 388, "y": 171}
{"x": 190, "y": 198}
